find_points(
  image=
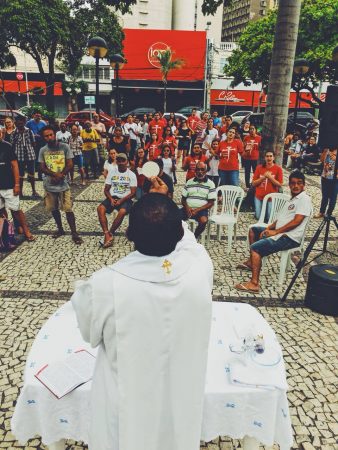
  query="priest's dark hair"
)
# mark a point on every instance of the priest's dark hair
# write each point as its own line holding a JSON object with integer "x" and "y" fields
{"x": 155, "y": 225}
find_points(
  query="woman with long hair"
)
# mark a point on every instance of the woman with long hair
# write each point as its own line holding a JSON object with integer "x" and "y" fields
{"x": 110, "y": 163}
{"x": 267, "y": 179}
{"x": 228, "y": 153}
{"x": 138, "y": 162}
{"x": 210, "y": 134}
{"x": 168, "y": 162}
{"x": 170, "y": 140}
{"x": 184, "y": 139}
{"x": 153, "y": 147}
{"x": 250, "y": 154}
{"x": 9, "y": 128}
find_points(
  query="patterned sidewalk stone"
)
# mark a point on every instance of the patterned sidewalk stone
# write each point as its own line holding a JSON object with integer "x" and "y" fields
{"x": 40, "y": 277}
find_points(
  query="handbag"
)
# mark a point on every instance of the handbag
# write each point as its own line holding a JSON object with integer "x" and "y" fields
{"x": 7, "y": 235}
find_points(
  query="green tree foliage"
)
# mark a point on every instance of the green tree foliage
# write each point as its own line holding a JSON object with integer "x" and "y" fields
{"x": 167, "y": 64}
{"x": 318, "y": 35}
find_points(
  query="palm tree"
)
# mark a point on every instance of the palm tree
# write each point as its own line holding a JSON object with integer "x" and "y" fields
{"x": 281, "y": 70}
{"x": 167, "y": 64}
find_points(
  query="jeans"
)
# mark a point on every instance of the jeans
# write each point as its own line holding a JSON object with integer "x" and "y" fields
{"x": 248, "y": 164}
{"x": 228, "y": 177}
{"x": 258, "y": 209}
{"x": 133, "y": 148}
{"x": 90, "y": 159}
{"x": 267, "y": 246}
{"x": 329, "y": 195}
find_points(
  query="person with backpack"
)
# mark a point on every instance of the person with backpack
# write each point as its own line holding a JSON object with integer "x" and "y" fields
{"x": 9, "y": 192}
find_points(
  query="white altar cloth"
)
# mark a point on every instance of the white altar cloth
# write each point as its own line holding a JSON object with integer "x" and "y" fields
{"x": 229, "y": 410}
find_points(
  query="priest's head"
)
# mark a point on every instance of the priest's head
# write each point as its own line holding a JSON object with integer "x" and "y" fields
{"x": 155, "y": 225}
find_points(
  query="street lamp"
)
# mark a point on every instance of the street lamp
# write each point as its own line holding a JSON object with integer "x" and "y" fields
{"x": 97, "y": 47}
{"x": 300, "y": 68}
{"x": 117, "y": 62}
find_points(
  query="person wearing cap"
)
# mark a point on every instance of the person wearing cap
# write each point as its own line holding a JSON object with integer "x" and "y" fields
{"x": 120, "y": 188}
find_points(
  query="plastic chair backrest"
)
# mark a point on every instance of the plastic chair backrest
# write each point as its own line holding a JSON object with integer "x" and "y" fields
{"x": 230, "y": 195}
{"x": 277, "y": 203}
{"x": 305, "y": 229}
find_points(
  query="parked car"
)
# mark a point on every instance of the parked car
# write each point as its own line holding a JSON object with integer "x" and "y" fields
{"x": 139, "y": 112}
{"x": 186, "y": 110}
{"x": 15, "y": 114}
{"x": 84, "y": 115}
{"x": 254, "y": 119}
{"x": 177, "y": 116}
{"x": 238, "y": 116}
{"x": 303, "y": 118}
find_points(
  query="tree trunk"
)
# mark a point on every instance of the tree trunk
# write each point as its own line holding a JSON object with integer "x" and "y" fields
{"x": 50, "y": 101}
{"x": 283, "y": 55}
{"x": 164, "y": 96}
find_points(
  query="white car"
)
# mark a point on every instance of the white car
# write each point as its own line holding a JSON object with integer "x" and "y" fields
{"x": 177, "y": 116}
{"x": 238, "y": 116}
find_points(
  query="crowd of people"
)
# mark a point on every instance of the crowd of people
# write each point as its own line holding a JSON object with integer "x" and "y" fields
{"x": 210, "y": 149}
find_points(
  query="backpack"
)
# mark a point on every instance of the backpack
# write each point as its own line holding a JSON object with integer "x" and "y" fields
{"x": 7, "y": 240}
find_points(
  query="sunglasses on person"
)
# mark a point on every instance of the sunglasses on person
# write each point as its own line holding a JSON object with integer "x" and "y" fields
{"x": 199, "y": 169}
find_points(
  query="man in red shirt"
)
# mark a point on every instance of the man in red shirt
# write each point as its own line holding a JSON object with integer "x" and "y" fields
{"x": 226, "y": 124}
{"x": 192, "y": 122}
{"x": 157, "y": 125}
{"x": 250, "y": 154}
{"x": 191, "y": 161}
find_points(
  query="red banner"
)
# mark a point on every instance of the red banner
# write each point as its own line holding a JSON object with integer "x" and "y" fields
{"x": 142, "y": 46}
{"x": 20, "y": 86}
{"x": 235, "y": 97}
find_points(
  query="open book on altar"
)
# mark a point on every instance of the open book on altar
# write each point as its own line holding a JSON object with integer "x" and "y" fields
{"x": 62, "y": 377}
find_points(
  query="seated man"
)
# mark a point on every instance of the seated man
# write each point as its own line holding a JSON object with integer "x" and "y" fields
{"x": 198, "y": 196}
{"x": 148, "y": 184}
{"x": 283, "y": 234}
{"x": 120, "y": 188}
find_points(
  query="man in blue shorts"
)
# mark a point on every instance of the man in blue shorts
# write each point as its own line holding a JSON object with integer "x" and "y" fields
{"x": 120, "y": 188}
{"x": 283, "y": 234}
{"x": 198, "y": 196}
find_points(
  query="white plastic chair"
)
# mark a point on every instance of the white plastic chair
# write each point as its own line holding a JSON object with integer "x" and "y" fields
{"x": 285, "y": 256}
{"x": 228, "y": 215}
{"x": 277, "y": 203}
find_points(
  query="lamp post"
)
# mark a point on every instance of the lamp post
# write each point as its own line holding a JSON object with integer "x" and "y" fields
{"x": 97, "y": 47}
{"x": 300, "y": 68}
{"x": 117, "y": 62}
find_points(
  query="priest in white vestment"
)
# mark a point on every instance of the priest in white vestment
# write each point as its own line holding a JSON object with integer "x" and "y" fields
{"x": 150, "y": 315}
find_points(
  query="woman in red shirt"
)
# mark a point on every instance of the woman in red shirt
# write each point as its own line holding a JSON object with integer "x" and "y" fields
{"x": 228, "y": 152}
{"x": 268, "y": 178}
{"x": 153, "y": 147}
{"x": 250, "y": 154}
{"x": 191, "y": 161}
{"x": 139, "y": 160}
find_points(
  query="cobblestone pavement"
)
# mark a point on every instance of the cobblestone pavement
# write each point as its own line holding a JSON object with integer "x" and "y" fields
{"x": 40, "y": 278}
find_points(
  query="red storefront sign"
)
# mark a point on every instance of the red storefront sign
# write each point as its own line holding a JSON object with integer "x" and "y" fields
{"x": 243, "y": 98}
{"x": 142, "y": 46}
{"x": 20, "y": 86}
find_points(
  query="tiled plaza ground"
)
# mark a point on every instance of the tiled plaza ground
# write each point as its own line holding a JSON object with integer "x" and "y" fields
{"x": 40, "y": 278}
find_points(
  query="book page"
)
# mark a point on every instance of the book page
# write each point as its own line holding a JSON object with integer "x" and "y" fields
{"x": 82, "y": 363}
{"x": 62, "y": 377}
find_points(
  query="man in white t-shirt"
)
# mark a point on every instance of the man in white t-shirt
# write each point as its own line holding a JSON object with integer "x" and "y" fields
{"x": 63, "y": 135}
{"x": 283, "y": 234}
{"x": 131, "y": 129}
{"x": 120, "y": 188}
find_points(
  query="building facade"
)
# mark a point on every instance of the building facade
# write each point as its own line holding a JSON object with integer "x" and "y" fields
{"x": 240, "y": 13}
{"x": 148, "y": 14}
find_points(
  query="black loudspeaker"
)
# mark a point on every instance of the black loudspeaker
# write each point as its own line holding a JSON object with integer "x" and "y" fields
{"x": 322, "y": 289}
{"x": 328, "y": 129}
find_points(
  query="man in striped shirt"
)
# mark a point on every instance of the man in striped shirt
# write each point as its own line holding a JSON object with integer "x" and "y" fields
{"x": 198, "y": 196}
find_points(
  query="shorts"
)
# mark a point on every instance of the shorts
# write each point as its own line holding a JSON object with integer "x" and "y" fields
{"x": 9, "y": 200}
{"x": 78, "y": 161}
{"x": 268, "y": 246}
{"x": 110, "y": 208}
{"x": 26, "y": 165}
{"x": 59, "y": 201}
{"x": 203, "y": 213}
